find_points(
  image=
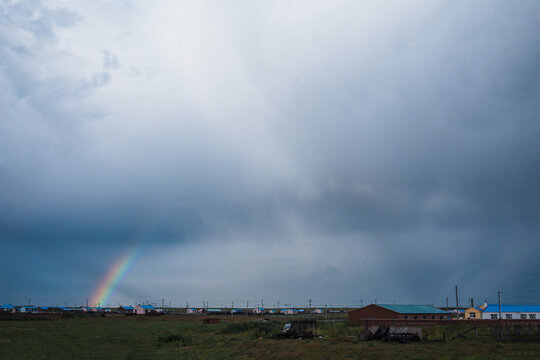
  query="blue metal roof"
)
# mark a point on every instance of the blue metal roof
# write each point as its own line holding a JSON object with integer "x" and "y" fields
{"x": 413, "y": 309}
{"x": 494, "y": 308}
{"x": 147, "y": 307}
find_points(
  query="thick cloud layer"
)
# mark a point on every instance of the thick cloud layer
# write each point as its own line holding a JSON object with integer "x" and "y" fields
{"x": 340, "y": 151}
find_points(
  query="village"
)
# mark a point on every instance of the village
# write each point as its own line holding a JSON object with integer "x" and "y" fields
{"x": 378, "y": 312}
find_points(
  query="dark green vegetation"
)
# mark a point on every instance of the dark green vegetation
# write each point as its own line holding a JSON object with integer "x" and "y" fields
{"x": 183, "y": 337}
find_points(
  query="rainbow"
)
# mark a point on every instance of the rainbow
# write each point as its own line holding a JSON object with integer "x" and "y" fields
{"x": 116, "y": 273}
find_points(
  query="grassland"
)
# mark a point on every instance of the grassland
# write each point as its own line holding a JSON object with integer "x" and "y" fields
{"x": 182, "y": 337}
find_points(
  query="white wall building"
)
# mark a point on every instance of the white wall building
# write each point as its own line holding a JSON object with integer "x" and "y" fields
{"x": 512, "y": 312}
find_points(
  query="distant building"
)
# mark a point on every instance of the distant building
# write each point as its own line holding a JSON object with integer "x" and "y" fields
{"x": 7, "y": 308}
{"x": 125, "y": 310}
{"x": 473, "y": 313}
{"x": 49, "y": 309}
{"x": 144, "y": 309}
{"x": 258, "y": 311}
{"x": 511, "y": 312}
{"x": 191, "y": 311}
{"x": 237, "y": 311}
{"x": 318, "y": 311}
{"x": 214, "y": 311}
{"x": 289, "y": 311}
{"x": 405, "y": 312}
{"x": 71, "y": 310}
{"x": 29, "y": 309}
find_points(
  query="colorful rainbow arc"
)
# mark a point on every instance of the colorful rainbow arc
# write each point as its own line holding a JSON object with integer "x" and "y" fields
{"x": 116, "y": 273}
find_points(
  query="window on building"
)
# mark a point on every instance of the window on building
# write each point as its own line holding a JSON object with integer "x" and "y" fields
{"x": 508, "y": 316}
{"x": 472, "y": 316}
{"x": 523, "y": 316}
{"x": 494, "y": 316}
{"x": 532, "y": 316}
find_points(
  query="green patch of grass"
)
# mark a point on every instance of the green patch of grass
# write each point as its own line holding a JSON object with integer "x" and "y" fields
{"x": 177, "y": 338}
{"x": 119, "y": 337}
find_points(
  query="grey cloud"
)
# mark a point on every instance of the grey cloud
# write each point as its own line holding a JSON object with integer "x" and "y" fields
{"x": 110, "y": 61}
{"x": 413, "y": 132}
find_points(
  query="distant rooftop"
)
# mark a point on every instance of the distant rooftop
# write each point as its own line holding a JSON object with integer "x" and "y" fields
{"x": 494, "y": 308}
{"x": 146, "y": 307}
{"x": 413, "y": 309}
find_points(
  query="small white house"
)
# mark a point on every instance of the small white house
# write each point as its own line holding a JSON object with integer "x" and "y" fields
{"x": 258, "y": 311}
{"x": 289, "y": 311}
{"x": 191, "y": 311}
{"x": 511, "y": 312}
{"x": 143, "y": 309}
{"x": 7, "y": 308}
{"x": 318, "y": 311}
{"x": 29, "y": 309}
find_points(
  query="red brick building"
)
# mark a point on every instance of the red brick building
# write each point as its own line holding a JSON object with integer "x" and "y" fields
{"x": 398, "y": 312}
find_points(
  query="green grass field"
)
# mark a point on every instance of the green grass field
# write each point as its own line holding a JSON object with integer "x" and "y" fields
{"x": 181, "y": 337}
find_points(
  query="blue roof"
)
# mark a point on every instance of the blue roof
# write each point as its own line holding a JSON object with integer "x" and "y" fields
{"x": 147, "y": 307}
{"x": 127, "y": 307}
{"x": 214, "y": 310}
{"x": 413, "y": 309}
{"x": 494, "y": 308}
{"x": 6, "y": 306}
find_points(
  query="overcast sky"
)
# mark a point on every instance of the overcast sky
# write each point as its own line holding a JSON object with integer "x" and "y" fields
{"x": 342, "y": 151}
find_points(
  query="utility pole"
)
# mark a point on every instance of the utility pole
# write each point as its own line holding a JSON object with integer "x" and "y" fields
{"x": 87, "y": 302}
{"x": 309, "y": 304}
{"x": 262, "y": 303}
{"x": 162, "y": 303}
{"x": 29, "y": 301}
{"x": 457, "y": 300}
{"x": 447, "y": 303}
{"x": 278, "y": 304}
{"x": 361, "y": 302}
{"x": 499, "y": 297}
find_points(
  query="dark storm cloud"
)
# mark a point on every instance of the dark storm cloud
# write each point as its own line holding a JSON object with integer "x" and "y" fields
{"x": 408, "y": 132}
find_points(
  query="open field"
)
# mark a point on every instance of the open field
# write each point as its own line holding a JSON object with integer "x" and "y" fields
{"x": 184, "y": 337}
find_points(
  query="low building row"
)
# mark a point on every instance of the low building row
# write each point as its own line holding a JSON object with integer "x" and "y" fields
{"x": 505, "y": 312}
{"x": 255, "y": 311}
{"x": 398, "y": 312}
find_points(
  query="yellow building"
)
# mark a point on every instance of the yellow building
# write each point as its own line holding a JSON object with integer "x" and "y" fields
{"x": 473, "y": 313}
